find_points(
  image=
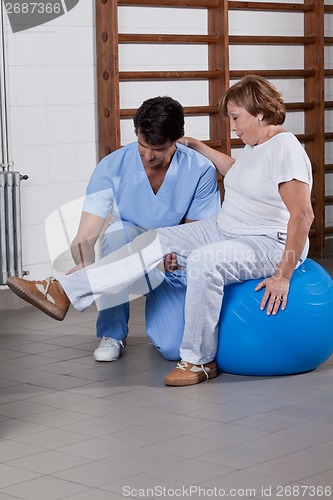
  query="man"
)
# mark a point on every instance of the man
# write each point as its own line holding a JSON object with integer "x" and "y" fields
{"x": 148, "y": 184}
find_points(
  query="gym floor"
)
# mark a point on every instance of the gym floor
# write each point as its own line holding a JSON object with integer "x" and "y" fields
{"x": 77, "y": 429}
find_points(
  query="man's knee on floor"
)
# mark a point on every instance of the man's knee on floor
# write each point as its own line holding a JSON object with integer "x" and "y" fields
{"x": 169, "y": 352}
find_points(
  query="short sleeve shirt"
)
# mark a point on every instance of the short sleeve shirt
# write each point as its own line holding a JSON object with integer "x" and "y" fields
{"x": 119, "y": 185}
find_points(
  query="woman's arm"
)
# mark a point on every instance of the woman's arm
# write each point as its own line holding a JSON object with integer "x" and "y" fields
{"x": 296, "y": 196}
{"x": 221, "y": 161}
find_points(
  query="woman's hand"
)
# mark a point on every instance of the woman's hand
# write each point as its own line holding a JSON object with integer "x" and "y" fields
{"x": 221, "y": 161}
{"x": 276, "y": 293}
{"x": 186, "y": 141}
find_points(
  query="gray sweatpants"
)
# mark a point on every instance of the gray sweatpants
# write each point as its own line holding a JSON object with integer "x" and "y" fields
{"x": 212, "y": 259}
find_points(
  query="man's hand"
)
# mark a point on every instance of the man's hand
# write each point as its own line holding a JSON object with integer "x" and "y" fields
{"x": 82, "y": 247}
{"x": 171, "y": 263}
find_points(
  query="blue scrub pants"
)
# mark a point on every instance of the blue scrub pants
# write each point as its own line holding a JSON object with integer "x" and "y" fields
{"x": 164, "y": 310}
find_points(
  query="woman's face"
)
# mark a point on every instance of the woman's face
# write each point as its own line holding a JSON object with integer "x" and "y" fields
{"x": 248, "y": 128}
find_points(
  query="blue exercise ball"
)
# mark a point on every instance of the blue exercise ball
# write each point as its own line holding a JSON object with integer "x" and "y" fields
{"x": 296, "y": 340}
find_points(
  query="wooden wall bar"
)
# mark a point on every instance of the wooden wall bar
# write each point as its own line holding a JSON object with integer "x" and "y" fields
{"x": 170, "y": 39}
{"x": 188, "y": 110}
{"x": 218, "y": 76}
{"x": 270, "y": 73}
{"x": 172, "y": 3}
{"x": 313, "y": 75}
{"x": 328, "y": 73}
{"x": 271, "y": 6}
{"x": 167, "y": 75}
{"x": 107, "y": 76}
{"x": 109, "y": 111}
{"x": 218, "y": 59}
{"x": 314, "y": 118}
{"x": 271, "y": 40}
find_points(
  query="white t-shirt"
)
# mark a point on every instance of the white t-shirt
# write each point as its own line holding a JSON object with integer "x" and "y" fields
{"x": 252, "y": 204}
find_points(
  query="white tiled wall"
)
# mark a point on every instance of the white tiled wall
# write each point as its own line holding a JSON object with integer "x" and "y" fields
{"x": 52, "y": 93}
{"x": 161, "y": 58}
{"x": 52, "y": 109}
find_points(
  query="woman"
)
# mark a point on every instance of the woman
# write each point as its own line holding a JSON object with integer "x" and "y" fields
{"x": 260, "y": 232}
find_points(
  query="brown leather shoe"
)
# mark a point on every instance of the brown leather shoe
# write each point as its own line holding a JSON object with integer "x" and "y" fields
{"x": 189, "y": 374}
{"x": 47, "y": 295}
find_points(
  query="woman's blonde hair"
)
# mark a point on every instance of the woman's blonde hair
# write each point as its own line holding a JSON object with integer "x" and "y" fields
{"x": 256, "y": 95}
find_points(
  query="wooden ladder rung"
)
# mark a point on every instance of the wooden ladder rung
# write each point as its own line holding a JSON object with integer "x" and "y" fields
{"x": 274, "y": 6}
{"x": 172, "y": 3}
{"x": 213, "y": 143}
{"x": 201, "y": 110}
{"x": 274, "y": 73}
{"x": 271, "y": 40}
{"x": 295, "y": 106}
{"x": 329, "y": 200}
{"x": 168, "y": 75}
{"x": 155, "y": 38}
{"x": 208, "y": 110}
{"x": 329, "y": 167}
{"x": 188, "y": 110}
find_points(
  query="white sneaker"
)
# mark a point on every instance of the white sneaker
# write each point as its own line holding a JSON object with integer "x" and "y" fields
{"x": 109, "y": 349}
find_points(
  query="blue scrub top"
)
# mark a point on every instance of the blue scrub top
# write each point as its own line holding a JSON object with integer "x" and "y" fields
{"x": 119, "y": 185}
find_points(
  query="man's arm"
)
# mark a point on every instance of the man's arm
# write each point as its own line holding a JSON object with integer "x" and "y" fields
{"x": 82, "y": 248}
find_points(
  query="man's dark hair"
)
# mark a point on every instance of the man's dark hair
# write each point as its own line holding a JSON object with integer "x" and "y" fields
{"x": 159, "y": 120}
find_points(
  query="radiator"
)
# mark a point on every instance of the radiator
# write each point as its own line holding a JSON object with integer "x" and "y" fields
{"x": 10, "y": 225}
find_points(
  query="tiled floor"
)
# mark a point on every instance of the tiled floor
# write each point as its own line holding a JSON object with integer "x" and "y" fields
{"x": 77, "y": 429}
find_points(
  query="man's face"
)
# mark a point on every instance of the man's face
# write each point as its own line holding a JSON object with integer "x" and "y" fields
{"x": 155, "y": 156}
